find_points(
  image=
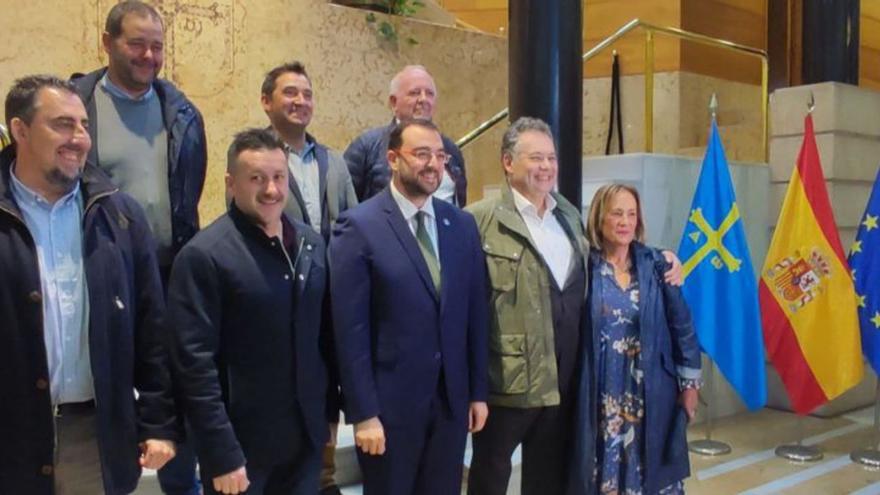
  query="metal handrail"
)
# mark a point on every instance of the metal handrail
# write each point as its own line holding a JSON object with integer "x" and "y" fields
{"x": 5, "y": 137}
{"x": 650, "y": 29}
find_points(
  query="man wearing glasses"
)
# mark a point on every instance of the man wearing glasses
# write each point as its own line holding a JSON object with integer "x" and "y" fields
{"x": 408, "y": 290}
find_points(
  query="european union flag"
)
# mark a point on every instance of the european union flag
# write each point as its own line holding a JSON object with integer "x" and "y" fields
{"x": 864, "y": 260}
{"x": 720, "y": 285}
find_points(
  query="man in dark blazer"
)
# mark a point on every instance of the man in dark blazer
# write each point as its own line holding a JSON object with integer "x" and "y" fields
{"x": 412, "y": 95}
{"x": 410, "y": 324}
{"x": 245, "y": 310}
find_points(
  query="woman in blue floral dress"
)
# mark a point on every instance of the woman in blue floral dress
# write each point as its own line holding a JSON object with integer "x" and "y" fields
{"x": 645, "y": 356}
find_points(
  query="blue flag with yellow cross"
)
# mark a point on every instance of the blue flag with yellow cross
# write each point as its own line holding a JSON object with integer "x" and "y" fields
{"x": 719, "y": 282}
{"x": 864, "y": 261}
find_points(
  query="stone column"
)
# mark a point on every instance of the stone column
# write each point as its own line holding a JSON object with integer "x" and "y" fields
{"x": 546, "y": 77}
{"x": 831, "y": 41}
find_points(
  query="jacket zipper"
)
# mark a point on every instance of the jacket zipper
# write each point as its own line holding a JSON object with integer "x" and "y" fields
{"x": 88, "y": 206}
{"x": 293, "y": 265}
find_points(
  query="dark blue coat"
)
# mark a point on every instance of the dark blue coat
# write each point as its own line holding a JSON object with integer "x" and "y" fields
{"x": 125, "y": 341}
{"x": 394, "y": 332}
{"x": 668, "y": 340}
{"x": 187, "y": 152}
{"x": 246, "y": 318}
{"x": 367, "y": 162}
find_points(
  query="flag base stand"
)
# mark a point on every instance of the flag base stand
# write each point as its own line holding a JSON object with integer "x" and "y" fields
{"x": 870, "y": 456}
{"x": 799, "y": 453}
{"x": 709, "y": 447}
{"x": 866, "y": 457}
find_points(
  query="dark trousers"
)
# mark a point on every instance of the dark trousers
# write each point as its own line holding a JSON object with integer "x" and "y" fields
{"x": 423, "y": 457}
{"x": 178, "y": 476}
{"x": 543, "y": 433}
{"x": 298, "y": 476}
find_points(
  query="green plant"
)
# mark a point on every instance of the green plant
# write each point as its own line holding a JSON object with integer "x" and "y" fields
{"x": 404, "y": 8}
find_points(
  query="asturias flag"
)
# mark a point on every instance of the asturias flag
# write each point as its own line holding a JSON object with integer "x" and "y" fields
{"x": 719, "y": 281}
{"x": 808, "y": 302}
{"x": 864, "y": 259}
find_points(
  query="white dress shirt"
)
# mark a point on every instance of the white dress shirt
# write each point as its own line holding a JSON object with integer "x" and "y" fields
{"x": 548, "y": 235}
{"x": 409, "y": 210}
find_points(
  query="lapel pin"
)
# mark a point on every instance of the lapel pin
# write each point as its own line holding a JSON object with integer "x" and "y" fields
{"x": 446, "y": 222}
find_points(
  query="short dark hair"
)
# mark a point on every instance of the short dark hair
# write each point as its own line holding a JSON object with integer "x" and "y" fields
{"x": 295, "y": 66}
{"x": 518, "y": 127}
{"x": 21, "y": 101}
{"x": 117, "y": 14}
{"x": 395, "y": 140}
{"x": 251, "y": 139}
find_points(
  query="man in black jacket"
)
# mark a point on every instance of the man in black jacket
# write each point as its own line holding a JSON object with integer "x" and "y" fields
{"x": 81, "y": 307}
{"x": 245, "y": 308}
{"x": 150, "y": 139}
{"x": 147, "y": 136}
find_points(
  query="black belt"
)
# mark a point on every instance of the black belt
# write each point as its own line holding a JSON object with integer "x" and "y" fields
{"x": 75, "y": 408}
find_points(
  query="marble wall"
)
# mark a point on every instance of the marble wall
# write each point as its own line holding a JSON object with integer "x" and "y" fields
{"x": 219, "y": 50}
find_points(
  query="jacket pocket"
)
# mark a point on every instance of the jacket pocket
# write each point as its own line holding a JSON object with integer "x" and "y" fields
{"x": 502, "y": 266}
{"x": 508, "y": 367}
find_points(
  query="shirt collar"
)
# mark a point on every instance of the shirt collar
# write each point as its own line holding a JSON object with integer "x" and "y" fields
{"x": 23, "y": 193}
{"x": 524, "y": 206}
{"x": 118, "y": 92}
{"x": 406, "y": 206}
{"x": 307, "y": 151}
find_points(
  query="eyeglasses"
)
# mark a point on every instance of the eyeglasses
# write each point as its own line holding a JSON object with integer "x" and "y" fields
{"x": 423, "y": 156}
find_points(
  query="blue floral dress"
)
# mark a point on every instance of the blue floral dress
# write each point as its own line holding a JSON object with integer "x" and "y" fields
{"x": 619, "y": 450}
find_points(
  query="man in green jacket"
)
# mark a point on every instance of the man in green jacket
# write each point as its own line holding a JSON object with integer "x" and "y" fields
{"x": 536, "y": 255}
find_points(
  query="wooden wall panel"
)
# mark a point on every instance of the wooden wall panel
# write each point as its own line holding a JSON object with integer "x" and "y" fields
{"x": 739, "y": 21}
{"x": 603, "y": 17}
{"x": 869, "y": 44}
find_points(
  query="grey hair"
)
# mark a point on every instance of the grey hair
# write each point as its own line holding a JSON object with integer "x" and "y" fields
{"x": 519, "y": 126}
{"x": 394, "y": 87}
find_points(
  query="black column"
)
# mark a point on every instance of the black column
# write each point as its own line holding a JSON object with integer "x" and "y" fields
{"x": 831, "y": 41}
{"x": 546, "y": 78}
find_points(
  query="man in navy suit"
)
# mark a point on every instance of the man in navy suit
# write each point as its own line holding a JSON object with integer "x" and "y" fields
{"x": 408, "y": 290}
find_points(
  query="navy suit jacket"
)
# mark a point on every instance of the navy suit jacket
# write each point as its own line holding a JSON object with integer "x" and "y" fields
{"x": 394, "y": 332}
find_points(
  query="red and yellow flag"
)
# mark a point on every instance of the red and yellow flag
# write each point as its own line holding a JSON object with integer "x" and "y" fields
{"x": 808, "y": 302}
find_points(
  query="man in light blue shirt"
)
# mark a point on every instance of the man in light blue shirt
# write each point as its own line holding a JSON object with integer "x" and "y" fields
{"x": 81, "y": 303}
{"x": 56, "y": 230}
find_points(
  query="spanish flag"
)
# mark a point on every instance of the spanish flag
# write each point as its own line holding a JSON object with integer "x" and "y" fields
{"x": 806, "y": 292}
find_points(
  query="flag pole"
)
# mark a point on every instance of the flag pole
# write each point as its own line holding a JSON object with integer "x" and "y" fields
{"x": 707, "y": 446}
{"x": 799, "y": 452}
{"x": 871, "y": 456}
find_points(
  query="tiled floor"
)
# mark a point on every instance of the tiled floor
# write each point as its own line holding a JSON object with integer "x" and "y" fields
{"x": 752, "y": 467}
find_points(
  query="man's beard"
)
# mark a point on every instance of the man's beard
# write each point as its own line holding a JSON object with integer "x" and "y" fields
{"x": 416, "y": 188}
{"x": 57, "y": 178}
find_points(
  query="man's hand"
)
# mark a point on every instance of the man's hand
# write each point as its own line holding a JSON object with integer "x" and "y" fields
{"x": 688, "y": 400}
{"x": 673, "y": 276}
{"x": 232, "y": 483}
{"x": 155, "y": 453}
{"x": 477, "y": 415}
{"x": 370, "y": 436}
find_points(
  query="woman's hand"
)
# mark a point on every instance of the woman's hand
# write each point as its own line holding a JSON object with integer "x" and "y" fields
{"x": 688, "y": 401}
